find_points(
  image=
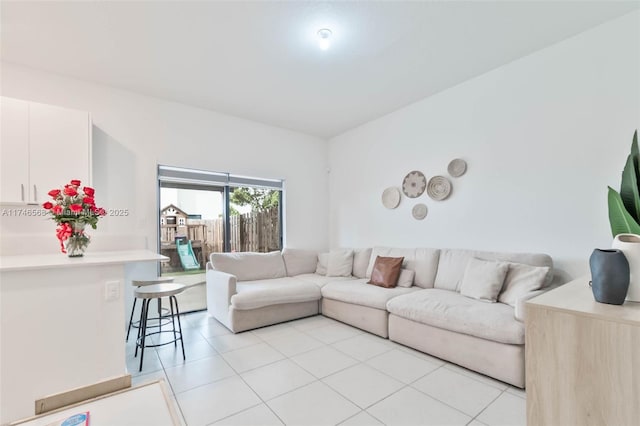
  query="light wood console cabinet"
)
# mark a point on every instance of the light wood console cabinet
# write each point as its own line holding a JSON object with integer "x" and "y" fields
{"x": 41, "y": 147}
{"x": 582, "y": 359}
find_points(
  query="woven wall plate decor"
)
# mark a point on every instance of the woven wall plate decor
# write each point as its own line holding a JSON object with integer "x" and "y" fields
{"x": 414, "y": 184}
{"x": 439, "y": 188}
{"x": 457, "y": 167}
{"x": 391, "y": 197}
{"x": 419, "y": 211}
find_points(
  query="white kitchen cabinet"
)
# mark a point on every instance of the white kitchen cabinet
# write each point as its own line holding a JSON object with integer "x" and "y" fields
{"x": 55, "y": 149}
{"x": 14, "y": 150}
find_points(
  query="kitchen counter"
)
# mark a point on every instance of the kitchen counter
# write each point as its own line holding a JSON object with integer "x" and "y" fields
{"x": 60, "y": 260}
{"x": 62, "y": 324}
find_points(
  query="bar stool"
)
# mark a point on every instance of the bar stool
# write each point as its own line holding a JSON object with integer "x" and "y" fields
{"x": 142, "y": 283}
{"x": 157, "y": 291}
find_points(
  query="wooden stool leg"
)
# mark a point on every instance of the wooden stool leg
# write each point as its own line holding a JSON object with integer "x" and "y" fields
{"x": 135, "y": 299}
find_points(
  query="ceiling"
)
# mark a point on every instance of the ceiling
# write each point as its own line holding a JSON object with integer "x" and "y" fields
{"x": 260, "y": 60}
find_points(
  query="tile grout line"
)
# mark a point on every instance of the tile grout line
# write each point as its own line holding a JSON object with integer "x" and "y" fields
{"x": 418, "y": 390}
{"x": 471, "y": 376}
{"x": 303, "y": 352}
{"x": 447, "y": 404}
{"x": 236, "y": 374}
{"x": 350, "y": 417}
{"x": 395, "y": 378}
{"x": 328, "y": 375}
{"x": 173, "y": 394}
{"x": 461, "y": 374}
{"x": 487, "y": 406}
{"x": 263, "y": 401}
{"x": 316, "y": 379}
{"x": 352, "y": 337}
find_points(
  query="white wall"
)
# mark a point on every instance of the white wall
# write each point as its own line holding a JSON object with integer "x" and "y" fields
{"x": 133, "y": 133}
{"x": 543, "y": 137}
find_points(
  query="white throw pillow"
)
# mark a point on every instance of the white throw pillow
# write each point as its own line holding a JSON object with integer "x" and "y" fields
{"x": 340, "y": 263}
{"x": 522, "y": 279}
{"x": 323, "y": 260}
{"x": 483, "y": 279}
{"x": 406, "y": 278}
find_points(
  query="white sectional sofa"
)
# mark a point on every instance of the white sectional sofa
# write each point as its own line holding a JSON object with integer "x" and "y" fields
{"x": 430, "y": 313}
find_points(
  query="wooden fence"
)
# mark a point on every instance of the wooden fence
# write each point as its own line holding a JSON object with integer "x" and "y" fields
{"x": 195, "y": 231}
{"x": 256, "y": 231}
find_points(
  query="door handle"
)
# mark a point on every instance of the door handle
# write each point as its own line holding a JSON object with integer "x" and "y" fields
{"x": 22, "y": 191}
{"x": 35, "y": 194}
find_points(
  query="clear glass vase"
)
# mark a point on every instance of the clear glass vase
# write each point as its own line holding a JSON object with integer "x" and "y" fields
{"x": 77, "y": 243}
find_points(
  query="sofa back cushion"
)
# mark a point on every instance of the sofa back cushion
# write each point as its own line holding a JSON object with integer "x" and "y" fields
{"x": 340, "y": 263}
{"x": 361, "y": 262}
{"x": 453, "y": 263}
{"x": 423, "y": 261}
{"x": 248, "y": 266}
{"x": 323, "y": 261}
{"x": 297, "y": 261}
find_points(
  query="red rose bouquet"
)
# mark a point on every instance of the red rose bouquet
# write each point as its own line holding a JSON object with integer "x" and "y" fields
{"x": 73, "y": 208}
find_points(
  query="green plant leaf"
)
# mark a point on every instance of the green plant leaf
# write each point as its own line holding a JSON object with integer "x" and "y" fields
{"x": 619, "y": 218}
{"x": 629, "y": 187}
{"x": 635, "y": 154}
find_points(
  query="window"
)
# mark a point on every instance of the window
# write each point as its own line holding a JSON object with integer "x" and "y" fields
{"x": 204, "y": 212}
{"x": 254, "y": 219}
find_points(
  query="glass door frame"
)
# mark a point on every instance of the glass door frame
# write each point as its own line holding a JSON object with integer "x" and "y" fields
{"x": 223, "y": 190}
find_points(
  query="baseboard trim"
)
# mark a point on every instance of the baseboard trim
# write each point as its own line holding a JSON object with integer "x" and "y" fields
{"x": 73, "y": 396}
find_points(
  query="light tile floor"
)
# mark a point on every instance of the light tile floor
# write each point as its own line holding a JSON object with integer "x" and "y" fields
{"x": 317, "y": 371}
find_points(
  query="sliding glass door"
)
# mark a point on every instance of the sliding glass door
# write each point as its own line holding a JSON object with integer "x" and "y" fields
{"x": 203, "y": 212}
{"x": 192, "y": 225}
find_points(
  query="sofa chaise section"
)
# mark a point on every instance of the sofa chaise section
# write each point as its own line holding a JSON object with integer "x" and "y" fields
{"x": 482, "y": 336}
{"x": 251, "y": 290}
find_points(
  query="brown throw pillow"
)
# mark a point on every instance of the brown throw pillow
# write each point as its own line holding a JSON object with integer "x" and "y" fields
{"x": 386, "y": 271}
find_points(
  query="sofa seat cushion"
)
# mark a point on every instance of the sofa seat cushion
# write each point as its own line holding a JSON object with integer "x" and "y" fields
{"x": 321, "y": 280}
{"x": 261, "y": 293}
{"x": 359, "y": 292}
{"x": 452, "y": 311}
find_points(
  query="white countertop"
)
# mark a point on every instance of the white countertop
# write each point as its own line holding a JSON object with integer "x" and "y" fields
{"x": 61, "y": 260}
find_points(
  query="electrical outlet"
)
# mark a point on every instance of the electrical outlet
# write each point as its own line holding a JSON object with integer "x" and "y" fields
{"x": 112, "y": 290}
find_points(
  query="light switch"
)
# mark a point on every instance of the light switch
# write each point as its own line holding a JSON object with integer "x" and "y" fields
{"x": 112, "y": 290}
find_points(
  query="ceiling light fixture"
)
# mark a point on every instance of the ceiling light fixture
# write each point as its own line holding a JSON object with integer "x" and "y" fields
{"x": 323, "y": 38}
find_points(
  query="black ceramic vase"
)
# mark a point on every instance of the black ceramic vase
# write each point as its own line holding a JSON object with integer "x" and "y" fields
{"x": 609, "y": 276}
